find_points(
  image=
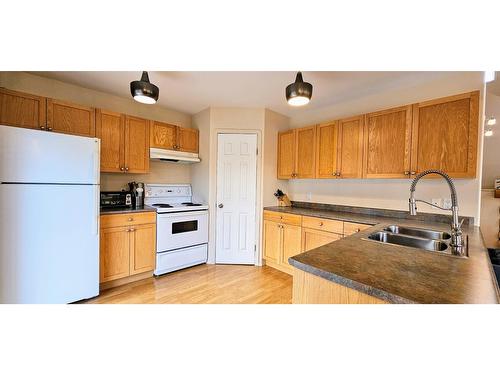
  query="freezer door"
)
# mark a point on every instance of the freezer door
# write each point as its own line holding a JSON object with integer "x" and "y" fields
{"x": 34, "y": 156}
{"x": 49, "y": 243}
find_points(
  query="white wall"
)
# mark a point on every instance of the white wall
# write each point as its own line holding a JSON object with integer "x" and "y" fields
{"x": 273, "y": 123}
{"x": 159, "y": 172}
{"x": 393, "y": 194}
{"x": 491, "y": 153}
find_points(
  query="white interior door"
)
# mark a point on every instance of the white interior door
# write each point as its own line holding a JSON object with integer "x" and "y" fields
{"x": 236, "y": 198}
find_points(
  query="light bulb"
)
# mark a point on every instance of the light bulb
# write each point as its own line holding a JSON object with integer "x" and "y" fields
{"x": 491, "y": 121}
{"x": 488, "y": 133}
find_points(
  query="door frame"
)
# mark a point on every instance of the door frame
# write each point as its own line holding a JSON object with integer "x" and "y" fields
{"x": 258, "y": 191}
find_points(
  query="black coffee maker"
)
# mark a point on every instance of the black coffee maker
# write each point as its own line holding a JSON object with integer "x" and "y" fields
{"x": 137, "y": 190}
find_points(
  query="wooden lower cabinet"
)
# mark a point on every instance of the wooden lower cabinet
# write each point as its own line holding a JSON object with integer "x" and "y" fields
{"x": 292, "y": 243}
{"x": 313, "y": 238}
{"x": 142, "y": 248}
{"x": 312, "y": 289}
{"x": 127, "y": 250}
{"x": 281, "y": 241}
{"x": 114, "y": 254}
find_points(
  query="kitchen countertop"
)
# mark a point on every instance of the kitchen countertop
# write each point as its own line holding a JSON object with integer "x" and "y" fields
{"x": 126, "y": 210}
{"x": 399, "y": 274}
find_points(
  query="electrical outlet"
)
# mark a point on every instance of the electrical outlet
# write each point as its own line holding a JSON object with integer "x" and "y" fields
{"x": 309, "y": 196}
{"x": 436, "y": 201}
{"x": 447, "y": 203}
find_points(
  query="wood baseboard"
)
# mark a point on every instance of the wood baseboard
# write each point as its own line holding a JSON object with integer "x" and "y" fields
{"x": 125, "y": 280}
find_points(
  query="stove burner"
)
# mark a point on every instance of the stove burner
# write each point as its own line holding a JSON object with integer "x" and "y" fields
{"x": 191, "y": 204}
{"x": 162, "y": 205}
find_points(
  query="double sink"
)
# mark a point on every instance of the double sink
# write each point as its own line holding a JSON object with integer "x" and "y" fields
{"x": 425, "y": 239}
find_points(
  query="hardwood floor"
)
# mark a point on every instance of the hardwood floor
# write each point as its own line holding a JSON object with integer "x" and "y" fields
{"x": 206, "y": 283}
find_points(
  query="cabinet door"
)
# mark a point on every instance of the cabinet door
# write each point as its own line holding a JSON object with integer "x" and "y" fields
{"x": 445, "y": 135}
{"x": 326, "y": 150}
{"x": 114, "y": 253}
{"x": 136, "y": 145}
{"x": 163, "y": 135}
{"x": 305, "y": 160}
{"x": 69, "y": 118}
{"x": 350, "y": 146}
{"x": 313, "y": 238}
{"x": 286, "y": 154}
{"x": 272, "y": 240}
{"x": 22, "y": 110}
{"x": 110, "y": 128}
{"x": 387, "y": 143}
{"x": 142, "y": 248}
{"x": 187, "y": 140}
{"x": 292, "y": 242}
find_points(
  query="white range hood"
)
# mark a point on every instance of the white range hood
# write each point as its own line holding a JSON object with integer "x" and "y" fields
{"x": 173, "y": 156}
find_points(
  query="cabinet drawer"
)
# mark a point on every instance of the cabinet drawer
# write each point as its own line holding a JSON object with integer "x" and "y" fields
{"x": 328, "y": 225}
{"x": 351, "y": 228}
{"x": 119, "y": 220}
{"x": 283, "y": 218}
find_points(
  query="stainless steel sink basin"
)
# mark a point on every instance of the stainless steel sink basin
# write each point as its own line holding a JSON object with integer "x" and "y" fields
{"x": 403, "y": 240}
{"x": 418, "y": 232}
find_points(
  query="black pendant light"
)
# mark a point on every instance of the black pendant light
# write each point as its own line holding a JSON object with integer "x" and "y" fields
{"x": 143, "y": 91}
{"x": 298, "y": 93}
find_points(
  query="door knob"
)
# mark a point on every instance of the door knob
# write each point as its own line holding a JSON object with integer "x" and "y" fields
{"x": 221, "y": 205}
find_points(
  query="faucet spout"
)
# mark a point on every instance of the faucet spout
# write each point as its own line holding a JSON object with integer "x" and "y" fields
{"x": 457, "y": 242}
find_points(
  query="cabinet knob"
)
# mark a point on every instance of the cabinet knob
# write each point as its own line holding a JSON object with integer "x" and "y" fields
{"x": 132, "y": 229}
{"x": 413, "y": 172}
{"x": 126, "y": 169}
{"x": 130, "y": 219}
{"x": 122, "y": 169}
{"x": 321, "y": 224}
{"x": 407, "y": 173}
{"x": 220, "y": 205}
{"x": 49, "y": 129}
{"x": 42, "y": 127}
{"x": 338, "y": 174}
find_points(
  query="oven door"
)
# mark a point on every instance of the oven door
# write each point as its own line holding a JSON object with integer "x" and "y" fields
{"x": 181, "y": 229}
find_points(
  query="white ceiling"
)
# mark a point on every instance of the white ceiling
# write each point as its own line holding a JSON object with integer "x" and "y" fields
{"x": 191, "y": 92}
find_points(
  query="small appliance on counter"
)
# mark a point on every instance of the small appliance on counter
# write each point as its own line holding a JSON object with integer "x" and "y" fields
{"x": 137, "y": 190}
{"x": 116, "y": 199}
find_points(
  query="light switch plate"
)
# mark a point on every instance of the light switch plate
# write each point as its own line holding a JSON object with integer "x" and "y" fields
{"x": 437, "y": 201}
{"x": 447, "y": 203}
{"x": 309, "y": 196}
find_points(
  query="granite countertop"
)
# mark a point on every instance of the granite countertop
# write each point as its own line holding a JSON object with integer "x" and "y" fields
{"x": 126, "y": 210}
{"x": 399, "y": 274}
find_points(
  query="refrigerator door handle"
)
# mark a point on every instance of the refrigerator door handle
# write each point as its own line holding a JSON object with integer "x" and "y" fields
{"x": 96, "y": 210}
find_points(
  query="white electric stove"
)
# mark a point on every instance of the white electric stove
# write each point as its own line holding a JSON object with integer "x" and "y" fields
{"x": 181, "y": 227}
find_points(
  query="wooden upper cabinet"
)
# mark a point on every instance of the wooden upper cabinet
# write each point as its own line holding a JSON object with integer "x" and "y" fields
{"x": 326, "y": 150}
{"x": 305, "y": 159}
{"x": 350, "y": 147}
{"x": 286, "y": 154}
{"x": 69, "y": 118}
{"x": 136, "y": 145}
{"x": 163, "y": 135}
{"x": 387, "y": 143}
{"x": 445, "y": 135}
{"x": 22, "y": 110}
{"x": 187, "y": 139}
{"x": 110, "y": 128}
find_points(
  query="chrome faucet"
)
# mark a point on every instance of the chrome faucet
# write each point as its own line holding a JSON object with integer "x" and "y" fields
{"x": 458, "y": 246}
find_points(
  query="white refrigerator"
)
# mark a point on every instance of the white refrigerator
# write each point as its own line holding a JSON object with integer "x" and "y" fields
{"x": 49, "y": 216}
